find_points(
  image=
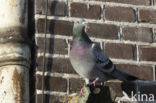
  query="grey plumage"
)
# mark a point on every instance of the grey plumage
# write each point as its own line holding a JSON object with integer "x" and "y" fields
{"x": 90, "y": 62}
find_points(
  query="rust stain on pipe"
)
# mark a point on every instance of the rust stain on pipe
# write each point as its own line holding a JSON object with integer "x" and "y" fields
{"x": 1, "y": 79}
{"x": 14, "y": 84}
{"x": 17, "y": 83}
{"x": 14, "y": 52}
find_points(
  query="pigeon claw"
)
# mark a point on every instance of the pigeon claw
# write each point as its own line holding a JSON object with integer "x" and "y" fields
{"x": 81, "y": 92}
{"x": 92, "y": 83}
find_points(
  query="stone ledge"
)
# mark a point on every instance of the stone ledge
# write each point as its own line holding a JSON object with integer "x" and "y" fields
{"x": 115, "y": 91}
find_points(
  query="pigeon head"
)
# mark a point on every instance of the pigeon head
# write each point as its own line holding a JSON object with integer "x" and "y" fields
{"x": 78, "y": 29}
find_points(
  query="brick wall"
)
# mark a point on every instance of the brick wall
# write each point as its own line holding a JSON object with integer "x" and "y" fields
{"x": 125, "y": 30}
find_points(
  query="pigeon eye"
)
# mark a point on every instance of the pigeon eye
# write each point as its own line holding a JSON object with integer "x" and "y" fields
{"x": 78, "y": 22}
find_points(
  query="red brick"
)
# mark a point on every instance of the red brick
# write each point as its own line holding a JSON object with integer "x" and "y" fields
{"x": 54, "y": 8}
{"x": 140, "y": 71}
{"x": 55, "y": 27}
{"x": 55, "y": 65}
{"x": 81, "y": 10}
{"x": 147, "y": 53}
{"x": 54, "y": 46}
{"x": 147, "y": 16}
{"x": 105, "y": 31}
{"x": 119, "y": 14}
{"x": 40, "y": 7}
{"x": 49, "y": 98}
{"x": 118, "y": 50}
{"x": 75, "y": 85}
{"x": 51, "y": 83}
{"x": 134, "y": 2}
{"x": 137, "y": 34}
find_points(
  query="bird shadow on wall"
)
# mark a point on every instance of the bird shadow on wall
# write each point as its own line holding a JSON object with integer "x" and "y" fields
{"x": 50, "y": 50}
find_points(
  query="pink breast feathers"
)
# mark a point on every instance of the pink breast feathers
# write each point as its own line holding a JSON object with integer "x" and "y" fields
{"x": 78, "y": 50}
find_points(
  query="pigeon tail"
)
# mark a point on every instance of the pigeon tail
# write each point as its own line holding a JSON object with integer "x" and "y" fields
{"x": 117, "y": 73}
{"x": 111, "y": 69}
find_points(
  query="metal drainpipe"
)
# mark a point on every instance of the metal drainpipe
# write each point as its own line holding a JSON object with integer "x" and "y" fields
{"x": 15, "y": 52}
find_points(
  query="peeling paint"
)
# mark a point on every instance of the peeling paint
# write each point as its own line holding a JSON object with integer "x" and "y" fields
{"x": 15, "y": 54}
{"x": 13, "y": 13}
{"x": 13, "y": 20}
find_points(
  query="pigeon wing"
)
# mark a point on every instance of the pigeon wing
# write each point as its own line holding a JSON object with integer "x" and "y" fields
{"x": 101, "y": 59}
{"x": 104, "y": 64}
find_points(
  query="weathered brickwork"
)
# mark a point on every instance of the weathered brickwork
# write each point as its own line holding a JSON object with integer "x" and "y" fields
{"x": 134, "y": 2}
{"x": 146, "y": 15}
{"x": 120, "y": 14}
{"x": 125, "y": 29}
{"x": 103, "y": 31}
{"x": 118, "y": 50}
{"x": 137, "y": 34}
{"x": 86, "y": 11}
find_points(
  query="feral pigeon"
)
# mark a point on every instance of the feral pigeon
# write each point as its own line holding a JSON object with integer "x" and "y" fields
{"x": 90, "y": 62}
